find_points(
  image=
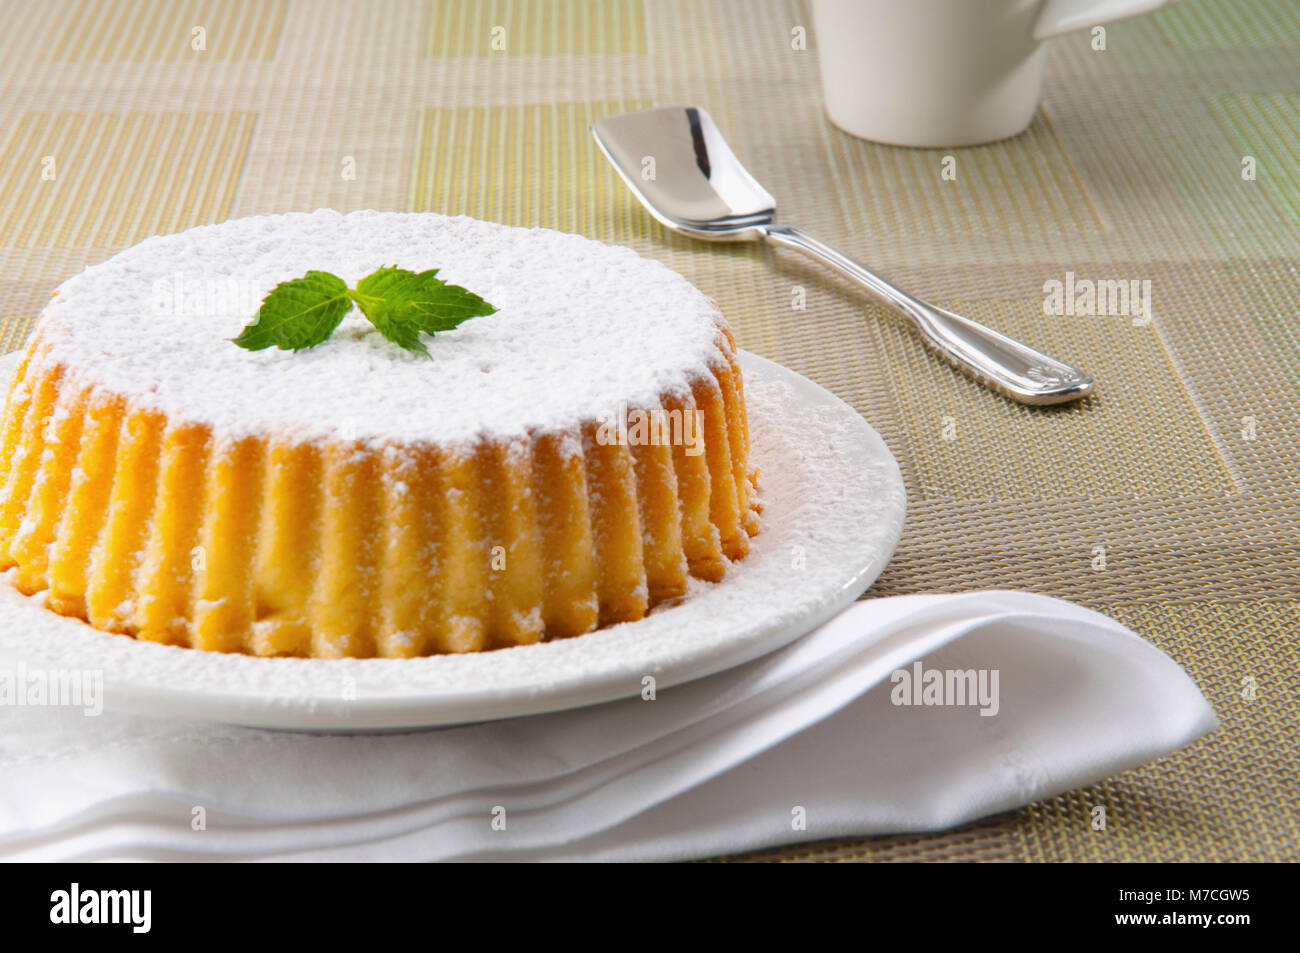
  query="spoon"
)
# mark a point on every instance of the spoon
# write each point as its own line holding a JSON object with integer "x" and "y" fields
{"x": 677, "y": 163}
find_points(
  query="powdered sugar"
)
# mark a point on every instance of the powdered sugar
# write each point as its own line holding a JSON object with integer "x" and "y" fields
{"x": 581, "y": 329}
{"x": 834, "y": 513}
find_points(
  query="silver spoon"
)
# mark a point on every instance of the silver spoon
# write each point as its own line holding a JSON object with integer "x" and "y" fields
{"x": 679, "y": 166}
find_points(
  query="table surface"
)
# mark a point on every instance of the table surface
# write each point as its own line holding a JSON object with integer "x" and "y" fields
{"x": 1169, "y": 500}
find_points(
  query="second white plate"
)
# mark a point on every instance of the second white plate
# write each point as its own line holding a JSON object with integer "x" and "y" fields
{"x": 834, "y": 505}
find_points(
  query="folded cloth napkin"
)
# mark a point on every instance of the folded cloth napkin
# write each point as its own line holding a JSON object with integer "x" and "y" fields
{"x": 844, "y": 732}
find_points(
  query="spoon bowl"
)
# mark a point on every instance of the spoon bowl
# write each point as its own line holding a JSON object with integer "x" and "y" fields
{"x": 677, "y": 163}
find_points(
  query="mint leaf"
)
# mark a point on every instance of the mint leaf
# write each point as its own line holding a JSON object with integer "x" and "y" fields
{"x": 402, "y": 303}
{"x": 379, "y": 300}
{"x": 298, "y": 314}
{"x": 399, "y": 303}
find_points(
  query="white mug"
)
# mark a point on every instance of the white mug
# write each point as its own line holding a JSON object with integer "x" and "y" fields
{"x": 943, "y": 72}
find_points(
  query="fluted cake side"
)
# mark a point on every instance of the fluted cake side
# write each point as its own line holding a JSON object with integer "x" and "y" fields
{"x": 160, "y": 530}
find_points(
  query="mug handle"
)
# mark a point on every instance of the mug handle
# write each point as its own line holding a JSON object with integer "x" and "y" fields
{"x": 1062, "y": 16}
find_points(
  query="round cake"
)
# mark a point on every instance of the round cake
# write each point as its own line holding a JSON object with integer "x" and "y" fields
{"x": 565, "y": 463}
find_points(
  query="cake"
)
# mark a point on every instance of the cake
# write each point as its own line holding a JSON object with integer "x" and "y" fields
{"x": 564, "y": 464}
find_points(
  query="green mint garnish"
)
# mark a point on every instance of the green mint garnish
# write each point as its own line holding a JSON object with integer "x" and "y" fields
{"x": 399, "y": 303}
{"x": 299, "y": 313}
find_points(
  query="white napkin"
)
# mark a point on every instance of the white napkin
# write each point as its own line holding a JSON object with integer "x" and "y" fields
{"x": 804, "y": 744}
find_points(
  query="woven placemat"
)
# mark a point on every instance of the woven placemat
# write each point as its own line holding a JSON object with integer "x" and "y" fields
{"x": 1169, "y": 500}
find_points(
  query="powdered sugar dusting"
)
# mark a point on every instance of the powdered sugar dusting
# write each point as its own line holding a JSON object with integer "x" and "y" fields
{"x": 582, "y": 328}
{"x": 834, "y": 511}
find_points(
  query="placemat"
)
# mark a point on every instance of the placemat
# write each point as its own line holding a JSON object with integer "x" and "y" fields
{"x": 1169, "y": 159}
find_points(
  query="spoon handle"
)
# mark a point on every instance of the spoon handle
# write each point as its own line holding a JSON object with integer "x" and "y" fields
{"x": 995, "y": 360}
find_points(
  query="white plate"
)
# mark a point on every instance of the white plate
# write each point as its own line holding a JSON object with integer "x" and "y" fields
{"x": 833, "y": 514}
